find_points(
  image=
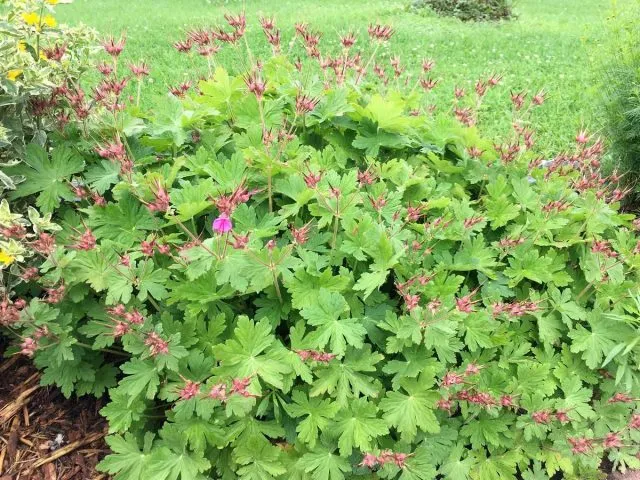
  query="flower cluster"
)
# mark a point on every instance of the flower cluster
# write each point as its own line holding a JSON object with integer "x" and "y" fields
{"x": 116, "y": 152}
{"x": 10, "y": 311}
{"x": 157, "y": 345}
{"x": 219, "y": 391}
{"x": 85, "y": 241}
{"x": 315, "y": 356}
{"x": 124, "y": 319}
{"x": 161, "y": 201}
{"x": 371, "y": 460}
{"x": 226, "y": 204}
{"x": 515, "y": 309}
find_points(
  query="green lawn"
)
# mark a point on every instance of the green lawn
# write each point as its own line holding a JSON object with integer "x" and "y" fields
{"x": 550, "y": 45}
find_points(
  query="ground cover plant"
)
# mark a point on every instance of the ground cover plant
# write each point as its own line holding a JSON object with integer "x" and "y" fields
{"x": 307, "y": 271}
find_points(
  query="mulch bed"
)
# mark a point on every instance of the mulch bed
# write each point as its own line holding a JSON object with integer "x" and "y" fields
{"x": 44, "y": 436}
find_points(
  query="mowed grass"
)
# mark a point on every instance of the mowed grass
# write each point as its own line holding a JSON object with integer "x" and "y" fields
{"x": 550, "y": 45}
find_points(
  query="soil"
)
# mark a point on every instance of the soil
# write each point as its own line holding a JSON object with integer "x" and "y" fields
{"x": 635, "y": 475}
{"x": 44, "y": 436}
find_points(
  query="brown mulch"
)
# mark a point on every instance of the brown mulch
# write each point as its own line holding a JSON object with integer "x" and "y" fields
{"x": 44, "y": 436}
{"x": 630, "y": 475}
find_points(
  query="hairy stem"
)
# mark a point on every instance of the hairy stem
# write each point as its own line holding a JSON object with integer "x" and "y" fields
{"x": 270, "y": 189}
{"x": 334, "y": 239}
{"x": 106, "y": 350}
{"x": 138, "y": 93}
{"x": 276, "y": 284}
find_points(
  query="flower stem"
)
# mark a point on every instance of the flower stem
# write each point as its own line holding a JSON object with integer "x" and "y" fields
{"x": 38, "y": 30}
{"x": 154, "y": 303}
{"x": 276, "y": 284}
{"x": 336, "y": 222}
{"x": 106, "y": 350}
{"x": 366, "y": 67}
{"x": 138, "y": 93}
{"x": 270, "y": 190}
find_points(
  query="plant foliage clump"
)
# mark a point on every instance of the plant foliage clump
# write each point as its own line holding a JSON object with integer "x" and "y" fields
{"x": 36, "y": 54}
{"x": 468, "y": 10}
{"x": 621, "y": 88}
{"x": 298, "y": 273}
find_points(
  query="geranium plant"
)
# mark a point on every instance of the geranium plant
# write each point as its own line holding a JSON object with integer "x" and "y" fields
{"x": 304, "y": 272}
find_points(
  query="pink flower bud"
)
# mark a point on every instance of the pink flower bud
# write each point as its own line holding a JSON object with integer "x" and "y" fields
{"x": 400, "y": 459}
{"x": 472, "y": 369}
{"x": 45, "y": 244}
{"x": 506, "y": 401}
{"x": 239, "y": 386}
{"x": 582, "y": 137}
{"x": 452, "y": 378}
{"x": 120, "y": 329}
{"x": 219, "y": 392}
{"x": 114, "y": 47}
{"x": 118, "y": 311}
{"x": 620, "y": 398}
{"x": 134, "y": 317}
{"x": 240, "y": 242}
{"x": 157, "y": 345}
{"x": 369, "y": 460}
{"x": 28, "y": 347}
{"x": 635, "y": 422}
{"x": 445, "y": 404}
{"x": 190, "y": 390}
{"x": 312, "y": 179}
{"x": 86, "y": 241}
{"x": 580, "y": 445}
{"x": 542, "y": 417}
{"x": 164, "y": 249}
{"x": 612, "y": 440}
{"x": 411, "y": 301}
{"x": 301, "y": 235}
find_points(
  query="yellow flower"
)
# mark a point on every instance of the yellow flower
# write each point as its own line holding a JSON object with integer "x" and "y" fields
{"x": 52, "y": 2}
{"x": 22, "y": 46}
{"x": 6, "y": 259}
{"x": 31, "y": 18}
{"x": 49, "y": 21}
{"x": 13, "y": 74}
{"x": 12, "y": 251}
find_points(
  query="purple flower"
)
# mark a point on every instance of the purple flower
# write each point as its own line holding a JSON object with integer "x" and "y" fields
{"x": 222, "y": 224}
